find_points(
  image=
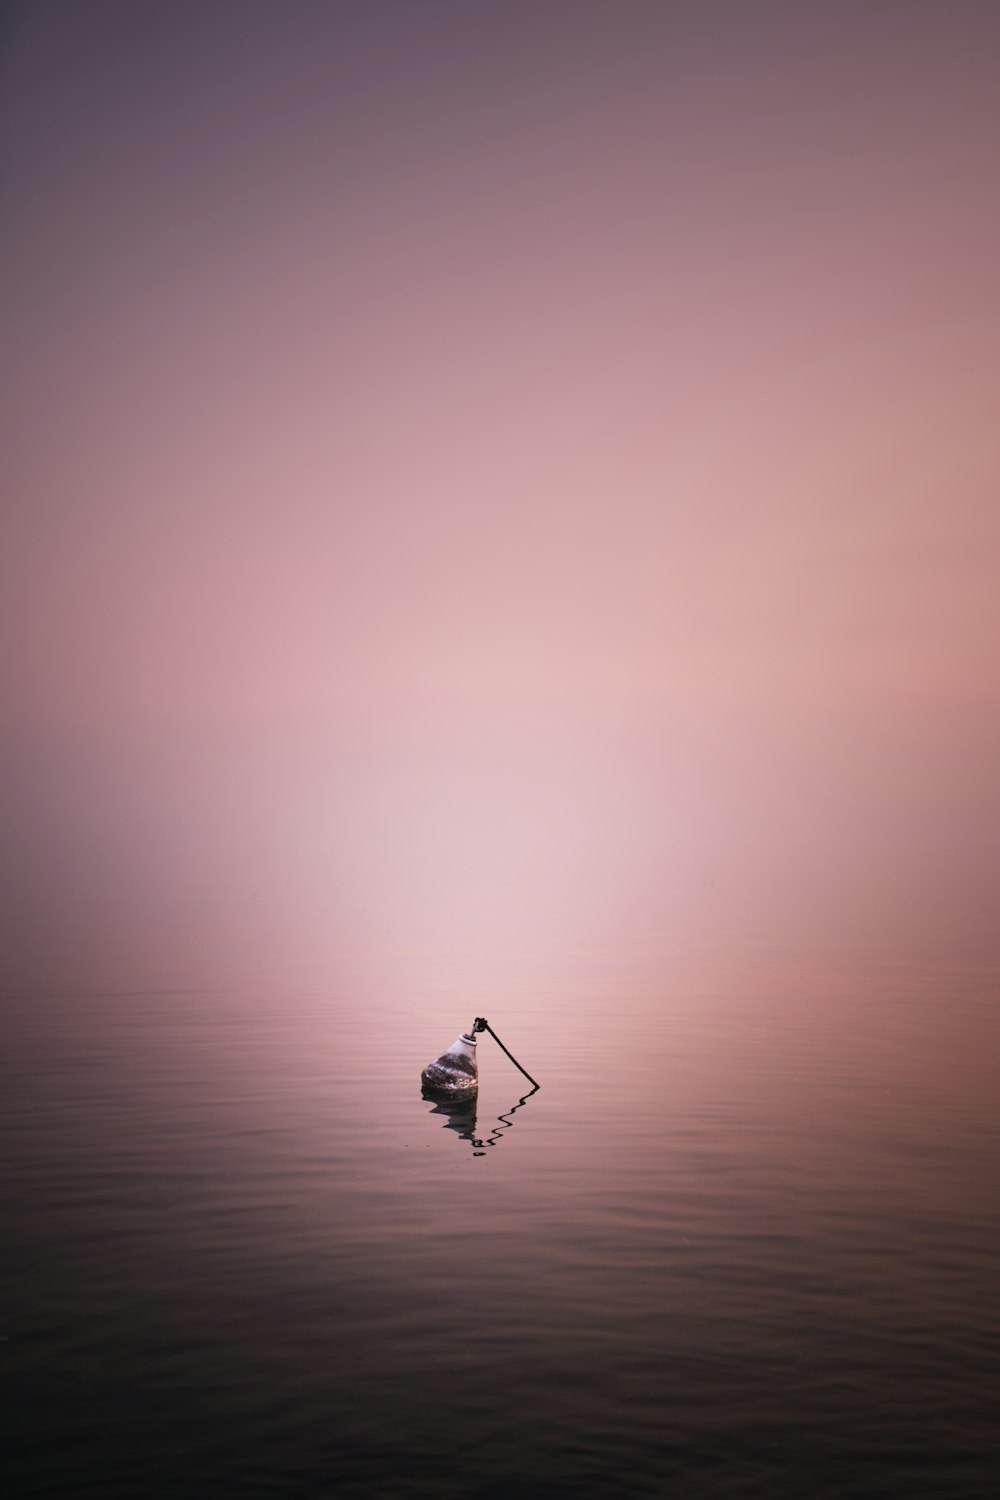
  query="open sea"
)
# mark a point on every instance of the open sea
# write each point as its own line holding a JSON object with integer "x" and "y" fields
{"x": 742, "y": 1241}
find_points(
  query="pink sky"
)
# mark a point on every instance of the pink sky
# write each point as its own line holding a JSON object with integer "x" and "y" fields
{"x": 457, "y": 453}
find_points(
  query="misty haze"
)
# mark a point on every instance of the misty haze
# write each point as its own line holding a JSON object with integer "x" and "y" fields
{"x": 500, "y": 521}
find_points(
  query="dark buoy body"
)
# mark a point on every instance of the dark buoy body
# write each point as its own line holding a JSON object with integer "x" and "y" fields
{"x": 455, "y": 1074}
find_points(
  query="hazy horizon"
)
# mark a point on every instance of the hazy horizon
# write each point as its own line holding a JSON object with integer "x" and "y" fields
{"x": 510, "y": 476}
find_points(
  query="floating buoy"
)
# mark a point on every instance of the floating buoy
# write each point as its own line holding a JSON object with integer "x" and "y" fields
{"x": 455, "y": 1074}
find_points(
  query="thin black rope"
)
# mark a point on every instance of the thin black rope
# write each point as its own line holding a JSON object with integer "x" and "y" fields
{"x": 482, "y": 1025}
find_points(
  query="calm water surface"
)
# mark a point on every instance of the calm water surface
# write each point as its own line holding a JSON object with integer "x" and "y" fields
{"x": 742, "y": 1241}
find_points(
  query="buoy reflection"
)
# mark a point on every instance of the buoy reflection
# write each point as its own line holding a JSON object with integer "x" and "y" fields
{"x": 460, "y": 1115}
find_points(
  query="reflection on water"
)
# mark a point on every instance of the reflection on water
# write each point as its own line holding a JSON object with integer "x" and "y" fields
{"x": 745, "y": 1246}
{"x": 461, "y": 1116}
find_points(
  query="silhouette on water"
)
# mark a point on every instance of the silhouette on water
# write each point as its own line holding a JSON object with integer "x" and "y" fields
{"x": 460, "y": 1116}
{"x": 204, "y": 1260}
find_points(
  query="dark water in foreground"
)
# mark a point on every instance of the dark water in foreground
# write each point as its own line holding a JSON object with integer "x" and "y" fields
{"x": 742, "y": 1242}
